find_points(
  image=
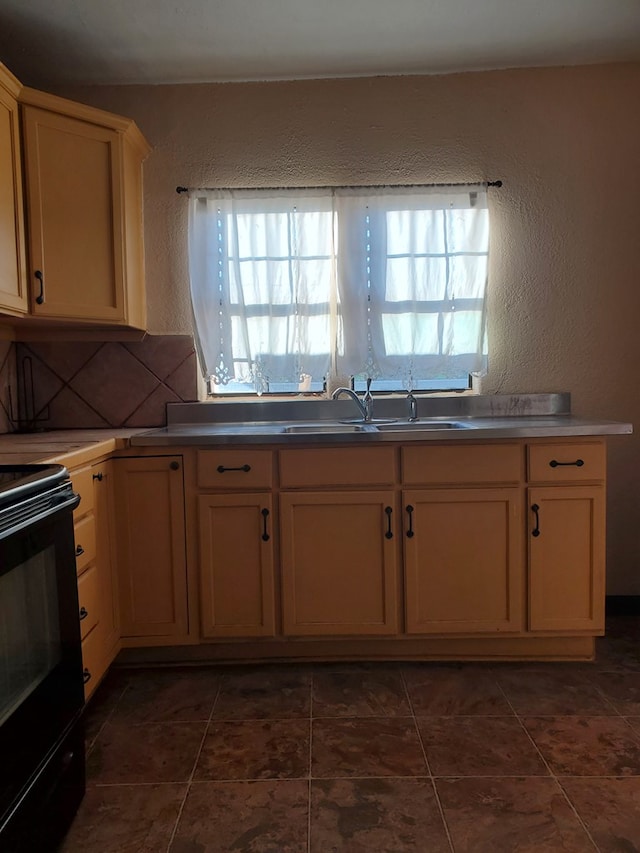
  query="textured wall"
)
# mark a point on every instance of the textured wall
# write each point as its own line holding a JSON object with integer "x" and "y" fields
{"x": 565, "y": 269}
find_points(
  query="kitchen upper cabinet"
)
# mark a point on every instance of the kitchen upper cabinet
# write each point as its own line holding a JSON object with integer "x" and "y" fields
{"x": 151, "y": 550}
{"x": 13, "y": 271}
{"x": 463, "y": 560}
{"x": 339, "y": 562}
{"x": 84, "y": 207}
{"x": 236, "y": 539}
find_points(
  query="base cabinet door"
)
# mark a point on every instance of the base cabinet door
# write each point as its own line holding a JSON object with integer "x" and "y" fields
{"x": 339, "y": 557}
{"x": 151, "y": 548}
{"x": 236, "y": 565}
{"x": 463, "y": 555}
{"x": 567, "y": 558}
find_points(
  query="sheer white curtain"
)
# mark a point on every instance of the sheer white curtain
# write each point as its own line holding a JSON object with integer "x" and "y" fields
{"x": 381, "y": 282}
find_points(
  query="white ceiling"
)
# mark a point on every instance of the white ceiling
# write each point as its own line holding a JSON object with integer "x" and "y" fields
{"x": 184, "y": 41}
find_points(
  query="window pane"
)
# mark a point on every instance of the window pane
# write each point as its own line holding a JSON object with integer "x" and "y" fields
{"x": 410, "y": 334}
{"x": 415, "y": 279}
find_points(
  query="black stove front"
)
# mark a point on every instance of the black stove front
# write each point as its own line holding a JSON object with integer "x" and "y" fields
{"x": 41, "y": 682}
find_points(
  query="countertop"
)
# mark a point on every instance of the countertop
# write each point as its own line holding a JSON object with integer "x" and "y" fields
{"x": 438, "y": 429}
{"x": 70, "y": 447}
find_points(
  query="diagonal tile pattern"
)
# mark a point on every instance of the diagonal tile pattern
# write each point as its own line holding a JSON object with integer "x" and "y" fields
{"x": 8, "y": 379}
{"x": 80, "y": 384}
{"x": 367, "y": 758}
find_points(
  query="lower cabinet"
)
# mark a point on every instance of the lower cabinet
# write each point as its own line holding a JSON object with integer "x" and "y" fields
{"x": 339, "y": 563}
{"x": 236, "y": 540}
{"x": 464, "y": 561}
{"x": 151, "y": 549}
{"x": 567, "y": 558}
{"x": 97, "y": 591}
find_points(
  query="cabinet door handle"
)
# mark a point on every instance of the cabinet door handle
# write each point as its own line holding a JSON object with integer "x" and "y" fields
{"x": 265, "y": 516}
{"x": 83, "y": 613}
{"x": 389, "y": 533}
{"x": 98, "y": 476}
{"x": 555, "y": 464}
{"x": 175, "y": 466}
{"x": 246, "y": 468}
{"x": 410, "y": 514}
{"x": 86, "y": 675}
{"x": 40, "y": 278}
{"x": 79, "y": 551}
{"x": 536, "y": 511}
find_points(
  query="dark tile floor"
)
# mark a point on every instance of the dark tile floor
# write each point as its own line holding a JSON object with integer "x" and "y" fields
{"x": 368, "y": 758}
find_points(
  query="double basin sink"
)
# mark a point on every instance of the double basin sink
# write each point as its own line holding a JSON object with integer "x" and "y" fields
{"x": 375, "y": 426}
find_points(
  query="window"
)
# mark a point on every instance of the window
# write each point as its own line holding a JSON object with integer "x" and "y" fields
{"x": 290, "y": 287}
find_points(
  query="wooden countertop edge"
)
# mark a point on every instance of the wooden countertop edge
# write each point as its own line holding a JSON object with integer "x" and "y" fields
{"x": 85, "y": 446}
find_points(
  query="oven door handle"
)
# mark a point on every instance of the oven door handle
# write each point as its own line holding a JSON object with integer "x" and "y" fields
{"x": 60, "y": 503}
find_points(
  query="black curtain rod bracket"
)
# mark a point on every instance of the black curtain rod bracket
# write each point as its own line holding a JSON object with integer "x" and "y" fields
{"x": 180, "y": 190}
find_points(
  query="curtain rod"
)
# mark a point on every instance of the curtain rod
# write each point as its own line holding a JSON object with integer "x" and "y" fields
{"x": 373, "y": 186}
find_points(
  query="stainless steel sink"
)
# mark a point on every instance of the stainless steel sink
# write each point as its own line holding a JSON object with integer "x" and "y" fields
{"x": 421, "y": 426}
{"x": 324, "y": 428}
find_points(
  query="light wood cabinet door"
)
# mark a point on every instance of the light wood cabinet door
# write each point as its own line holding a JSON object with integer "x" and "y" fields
{"x": 151, "y": 547}
{"x": 84, "y": 208}
{"x": 13, "y": 273}
{"x": 236, "y": 565}
{"x": 464, "y": 561}
{"x": 339, "y": 557}
{"x": 567, "y": 558}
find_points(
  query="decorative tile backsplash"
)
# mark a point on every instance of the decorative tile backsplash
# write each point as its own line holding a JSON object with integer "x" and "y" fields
{"x": 67, "y": 385}
{"x": 7, "y": 381}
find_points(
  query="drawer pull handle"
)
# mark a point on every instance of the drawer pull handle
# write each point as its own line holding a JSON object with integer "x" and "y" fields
{"x": 265, "y": 516}
{"x": 86, "y": 675}
{"x": 536, "y": 511}
{"x": 79, "y": 551}
{"x": 83, "y": 613}
{"x": 410, "y": 514}
{"x": 98, "y": 476}
{"x": 555, "y": 464}
{"x": 40, "y": 278}
{"x": 246, "y": 468}
{"x": 389, "y": 533}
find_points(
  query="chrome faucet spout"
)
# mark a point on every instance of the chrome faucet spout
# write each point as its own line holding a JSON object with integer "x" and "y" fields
{"x": 365, "y": 405}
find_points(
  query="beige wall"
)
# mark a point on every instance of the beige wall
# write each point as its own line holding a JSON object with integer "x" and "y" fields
{"x": 565, "y": 271}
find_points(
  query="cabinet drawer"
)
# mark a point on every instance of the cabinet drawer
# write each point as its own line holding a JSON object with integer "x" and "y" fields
{"x": 88, "y": 600}
{"x": 340, "y": 466}
{"x": 83, "y": 485}
{"x": 85, "y": 536}
{"x": 93, "y": 662}
{"x": 567, "y": 462}
{"x": 235, "y": 469}
{"x": 462, "y": 464}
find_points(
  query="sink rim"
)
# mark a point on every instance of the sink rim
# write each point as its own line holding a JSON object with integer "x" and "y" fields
{"x": 327, "y": 428}
{"x": 424, "y": 426}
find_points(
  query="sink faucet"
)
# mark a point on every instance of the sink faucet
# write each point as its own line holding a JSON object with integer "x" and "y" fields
{"x": 365, "y": 405}
{"x": 412, "y": 403}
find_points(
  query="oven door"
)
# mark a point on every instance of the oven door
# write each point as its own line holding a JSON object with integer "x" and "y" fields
{"x": 41, "y": 689}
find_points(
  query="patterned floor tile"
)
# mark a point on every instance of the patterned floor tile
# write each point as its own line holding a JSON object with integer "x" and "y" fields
{"x": 125, "y": 819}
{"x": 366, "y": 747}
{"x": 244, "y": 817}
{"x": 586, "y": 746}
{"x": 359, "y": 695}
{"x": 376, "y": 816}
{"x": 479, "y": 746}
{"x": 255, "y": 749}
{"x": 154, "y": 752}
{"x": 505, "y": 815}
